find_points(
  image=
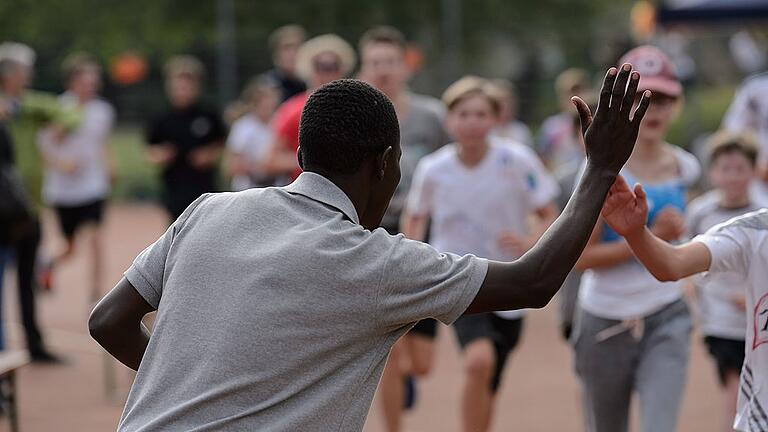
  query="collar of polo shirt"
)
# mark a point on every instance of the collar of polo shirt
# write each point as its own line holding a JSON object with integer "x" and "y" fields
{"x": 316, "y": 187}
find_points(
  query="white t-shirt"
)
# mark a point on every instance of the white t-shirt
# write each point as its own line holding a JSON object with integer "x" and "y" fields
{"x": 515, "y": 131}
{"x": 740, "y": 246}
{"x": 85, "y": 146}
{"x": 627, "y": 290}
{"x": 251, "y": 139}
{"x": 749, "y": 110}
{"x": 471, "y": 207}
{"x": 720, "y": 317}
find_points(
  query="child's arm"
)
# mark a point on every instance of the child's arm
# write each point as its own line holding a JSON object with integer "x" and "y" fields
{"x": 626, "y": 211}
{"x": 668, "y": 225}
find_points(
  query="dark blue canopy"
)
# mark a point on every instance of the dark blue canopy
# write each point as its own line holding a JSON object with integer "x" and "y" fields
{"x": 693, "y": 11}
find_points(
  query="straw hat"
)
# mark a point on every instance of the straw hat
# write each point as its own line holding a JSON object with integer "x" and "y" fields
{"x": 321, "y": 44}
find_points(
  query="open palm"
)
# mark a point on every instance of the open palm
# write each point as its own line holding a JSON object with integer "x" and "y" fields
{"x": 625, "y": 210}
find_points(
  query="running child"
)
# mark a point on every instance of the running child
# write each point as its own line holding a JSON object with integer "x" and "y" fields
{"x": 479, "y": 195}
{"x": 737, "y": 247}
{"x": 631, "y": 334}
{"x": 721, "y": 297}
{"x": 78, "y": 169}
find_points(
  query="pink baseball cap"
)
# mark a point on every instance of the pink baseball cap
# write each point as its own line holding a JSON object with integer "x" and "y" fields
{"x": 657, "y": 73}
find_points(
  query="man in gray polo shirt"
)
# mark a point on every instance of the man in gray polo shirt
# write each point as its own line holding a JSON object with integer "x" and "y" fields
{"x": 276, "y": 307}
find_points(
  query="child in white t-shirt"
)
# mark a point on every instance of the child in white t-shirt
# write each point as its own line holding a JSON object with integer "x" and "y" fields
{"x": 721, "y": 297}
{"x": 479, "y": 197}
{"x": 249, "y": 139}
{"x": 737, "y": 247}
{"x": 78, "y": 168}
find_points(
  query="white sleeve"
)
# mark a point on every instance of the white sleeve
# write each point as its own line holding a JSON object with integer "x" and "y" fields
{"x": 689, "y": 166}
{"x": 729, "y": 247}
{"x": 743, "y": 113}
{"x": 421, "y": 195}
{"x": 542, "y": 187}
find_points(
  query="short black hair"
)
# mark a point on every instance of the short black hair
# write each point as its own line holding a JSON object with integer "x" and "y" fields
{"x": 725, "y": 142}
{"x": 343, "y": 123}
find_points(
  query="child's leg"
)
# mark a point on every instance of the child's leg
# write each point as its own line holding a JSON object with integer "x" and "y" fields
{"x": 606, "y": 367}
{"x": 392, "y": 388}
{"x": 661, "y": 374}
{"x": 476, "y": 337}
{"x": 420, "y": 342}
{"x": 730, "y": 399}
{"x": 477, "y": 398}
{"x": 95, "y": 232}
{"x": 728, "y": 355}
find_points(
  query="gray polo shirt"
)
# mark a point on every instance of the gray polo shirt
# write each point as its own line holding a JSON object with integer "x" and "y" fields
{"x": 277, "y": 310}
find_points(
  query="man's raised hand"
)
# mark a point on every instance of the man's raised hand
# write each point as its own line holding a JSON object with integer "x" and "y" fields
{"x": 610, "y": 136}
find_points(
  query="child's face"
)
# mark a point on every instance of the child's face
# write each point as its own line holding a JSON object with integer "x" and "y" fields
{"x": 660, "y": 114}
{"x": 383, "y": 67}
{"x": 87, "y": 82}
{"x": 182, "y": 90}
{"x": 732, "y": 173}
{"x": 470, "y": 120}
{"x": 266, "y": 106}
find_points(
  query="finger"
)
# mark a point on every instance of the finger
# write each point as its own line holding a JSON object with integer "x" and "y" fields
{"x": 621, "y": 184}
{"x": 585, "y": 115}
{"x": 618, "y": 91}
{"x": 629, "y": 96}
{"x": 645, "y": 100}
{"x": 605, "y": 92}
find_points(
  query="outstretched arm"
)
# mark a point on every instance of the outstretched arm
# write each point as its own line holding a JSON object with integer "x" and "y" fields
{"x": 534, "y": 279}
{"x": 626, "y": 211}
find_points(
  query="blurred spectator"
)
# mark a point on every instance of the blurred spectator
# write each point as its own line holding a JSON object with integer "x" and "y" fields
{"x": 319, "y": 61}
{"x": 78, "y": 169}
{"x": 250, "y": 137}
{"x": 28, "y": 111}
{"x": 510, "y": 128}
{"x": 284, "y": 43}
{"x": 555, "y": 142}
{"x": 187, "y": 140}
{"x": 382, "y": 64}
{"x": 749, "y": 113}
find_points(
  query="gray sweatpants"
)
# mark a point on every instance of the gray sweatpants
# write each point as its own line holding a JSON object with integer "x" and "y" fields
{"x": 615, "y": 359}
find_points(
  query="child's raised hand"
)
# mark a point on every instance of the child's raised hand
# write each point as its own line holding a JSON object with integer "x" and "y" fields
{"x": 625, "y": 210}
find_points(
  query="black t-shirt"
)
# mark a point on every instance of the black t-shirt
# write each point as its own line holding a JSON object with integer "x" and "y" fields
{"x": 289, "y": 86}
{"x": 187, "y": 129}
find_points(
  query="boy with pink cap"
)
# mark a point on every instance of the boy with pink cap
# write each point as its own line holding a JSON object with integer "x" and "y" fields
{"x": 632, "y": 331}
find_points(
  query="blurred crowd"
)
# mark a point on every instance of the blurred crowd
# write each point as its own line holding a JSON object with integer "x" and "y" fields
{"x": 475, "y": 179}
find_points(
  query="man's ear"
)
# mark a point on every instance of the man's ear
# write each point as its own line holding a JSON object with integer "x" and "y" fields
{"x": 381, "y": 162}
{"x": 298, "y": 156}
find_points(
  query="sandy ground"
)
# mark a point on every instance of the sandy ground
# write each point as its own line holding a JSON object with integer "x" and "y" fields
{"x": 539, "y": 391}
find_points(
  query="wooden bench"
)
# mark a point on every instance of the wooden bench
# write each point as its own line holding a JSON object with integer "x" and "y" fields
{"x": 10, "y": 362}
